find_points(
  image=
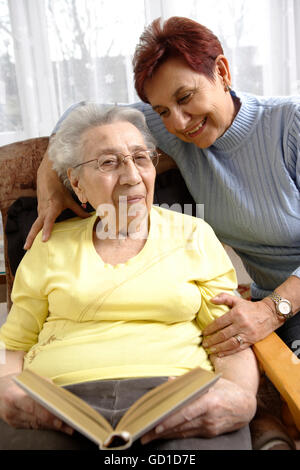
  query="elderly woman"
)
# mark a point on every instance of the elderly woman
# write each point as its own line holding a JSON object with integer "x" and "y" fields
{"x": 116, "y": 303}
{"x": 239, "y": 156}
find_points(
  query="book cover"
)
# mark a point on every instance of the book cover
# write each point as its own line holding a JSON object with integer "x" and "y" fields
{"x": 142, "y": 416}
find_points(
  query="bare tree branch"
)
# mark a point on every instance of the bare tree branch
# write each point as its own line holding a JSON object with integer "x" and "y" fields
{"x": 4, "y": 28}
{"x": 57, "y": 30}
{"x": 78, "y": 33}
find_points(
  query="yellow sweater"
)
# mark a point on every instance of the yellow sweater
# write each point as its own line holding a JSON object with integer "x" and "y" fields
{"x": 80, "y": 319}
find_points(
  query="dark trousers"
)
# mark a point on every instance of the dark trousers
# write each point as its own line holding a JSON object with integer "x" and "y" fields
{"x": 112, "y": 398}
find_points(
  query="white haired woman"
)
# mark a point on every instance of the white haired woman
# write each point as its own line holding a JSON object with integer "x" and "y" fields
{"x": 115, "y": 303}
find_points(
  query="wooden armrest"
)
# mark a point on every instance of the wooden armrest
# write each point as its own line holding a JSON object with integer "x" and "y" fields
{"x": 282, "y": 367}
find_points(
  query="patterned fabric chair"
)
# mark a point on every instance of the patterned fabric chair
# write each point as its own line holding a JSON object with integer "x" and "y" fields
{"x": 19, "y": 163}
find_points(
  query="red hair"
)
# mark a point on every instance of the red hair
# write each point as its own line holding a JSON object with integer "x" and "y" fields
{"x": 177, "y": 37}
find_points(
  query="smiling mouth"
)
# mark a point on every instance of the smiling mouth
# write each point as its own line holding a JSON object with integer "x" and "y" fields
{"x": 195, "y": 130}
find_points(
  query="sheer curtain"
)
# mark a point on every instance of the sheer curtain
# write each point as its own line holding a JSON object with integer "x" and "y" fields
{"x": 57, "y": 52}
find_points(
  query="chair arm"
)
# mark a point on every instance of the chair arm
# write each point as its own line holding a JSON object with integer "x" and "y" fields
{"x": 19, "y": 163}
{"x": 282, "y": 367}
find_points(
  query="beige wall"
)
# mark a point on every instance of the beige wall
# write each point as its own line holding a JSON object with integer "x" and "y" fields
{"x": 242, "y": 275}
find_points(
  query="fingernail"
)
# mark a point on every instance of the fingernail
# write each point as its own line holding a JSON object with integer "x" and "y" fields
{"x": 159, "y": 429}
{"x": 57, "y": 423}
{"x": 210, "y": 350}
{"x": 220, "y": 355}
{"x": 69, "y": 431}
{"x": 145, "y": 440}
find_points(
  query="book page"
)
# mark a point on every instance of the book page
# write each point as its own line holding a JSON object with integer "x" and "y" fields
{"x": 70, "y": 408}
{"x": 164, "y": 400}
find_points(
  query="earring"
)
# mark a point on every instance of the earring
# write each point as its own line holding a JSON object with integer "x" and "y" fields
{"x": 83, "y": 205}
{"x": 226, "y": 87}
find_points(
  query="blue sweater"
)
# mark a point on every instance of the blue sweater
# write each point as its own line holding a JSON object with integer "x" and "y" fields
{"x": 249, "y": 183}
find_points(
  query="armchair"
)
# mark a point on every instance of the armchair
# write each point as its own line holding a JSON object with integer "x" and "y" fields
{"x": 18, "y": 169}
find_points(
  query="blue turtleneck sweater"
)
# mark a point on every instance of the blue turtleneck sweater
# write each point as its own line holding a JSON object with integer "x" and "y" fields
{"x": 249, "y": 183}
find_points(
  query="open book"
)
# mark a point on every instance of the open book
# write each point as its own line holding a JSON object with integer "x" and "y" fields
{"x": 142, "y": 416}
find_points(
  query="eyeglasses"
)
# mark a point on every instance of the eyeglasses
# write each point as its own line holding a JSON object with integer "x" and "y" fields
{"x": 110, "y": 163}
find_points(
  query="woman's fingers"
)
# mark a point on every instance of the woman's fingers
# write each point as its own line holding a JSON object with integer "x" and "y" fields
{"x": 219, "y": 324}
{"x": 48, "y": 214}
{"x": 171, "y": 427}
{"x": 246, "y": 323}
{"x": 223, "y": 340}
{"x": 224, "y": 408}
{"x": 21, "y": 411}
{"x": 35, "y": 229}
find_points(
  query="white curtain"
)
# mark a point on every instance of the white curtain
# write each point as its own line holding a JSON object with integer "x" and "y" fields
{"x": 57, "y": 52}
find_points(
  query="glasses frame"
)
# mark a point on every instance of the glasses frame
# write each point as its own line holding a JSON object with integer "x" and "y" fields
{"x": 122, "y": 158}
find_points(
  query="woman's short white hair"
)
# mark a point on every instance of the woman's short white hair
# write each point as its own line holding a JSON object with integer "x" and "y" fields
{"x": 66, "y": 146}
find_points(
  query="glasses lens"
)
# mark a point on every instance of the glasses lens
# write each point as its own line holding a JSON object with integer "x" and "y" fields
{"x": 142, "y": 159}
{"x": 154, "y": 157}
{"x": 108, "y": 163}
{"x": 145, "y": 158}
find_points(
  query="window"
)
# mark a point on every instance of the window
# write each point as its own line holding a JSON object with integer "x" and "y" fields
{"x": 10, "y": 109}
{"x": 57, "y": 52}
{"x": 91, "y": 46}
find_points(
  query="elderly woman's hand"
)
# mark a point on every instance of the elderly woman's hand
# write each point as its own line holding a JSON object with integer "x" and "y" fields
{"x": 224, "y": 408}
{"x": 20, "y": 411}
{"x": 53, "y": 198}
{"x": 246, "y": 323}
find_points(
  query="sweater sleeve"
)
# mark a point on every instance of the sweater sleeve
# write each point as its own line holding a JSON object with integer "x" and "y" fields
{"x": 30, "y": 303}
{"x": 293, "y": 155}
{"x": 218, "y": 275}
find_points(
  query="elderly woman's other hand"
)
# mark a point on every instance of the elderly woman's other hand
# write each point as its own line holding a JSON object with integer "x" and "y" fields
{"x": 53, "y": 198}
{"x": 228, "y": 405}
{"x": 246, "y": 323}
{"x": 224, "y": 408}
{"x": 20, "y": 411}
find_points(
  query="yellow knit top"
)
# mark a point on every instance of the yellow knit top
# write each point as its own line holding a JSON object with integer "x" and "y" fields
{"x": 80, "y": 319}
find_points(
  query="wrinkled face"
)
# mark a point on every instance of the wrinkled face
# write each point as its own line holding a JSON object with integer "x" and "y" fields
{"x": 192, "y": 107}
{"x": 126, "y": 187}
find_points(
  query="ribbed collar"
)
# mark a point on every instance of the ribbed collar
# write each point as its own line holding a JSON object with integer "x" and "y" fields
{"x": 241, "y": 126}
